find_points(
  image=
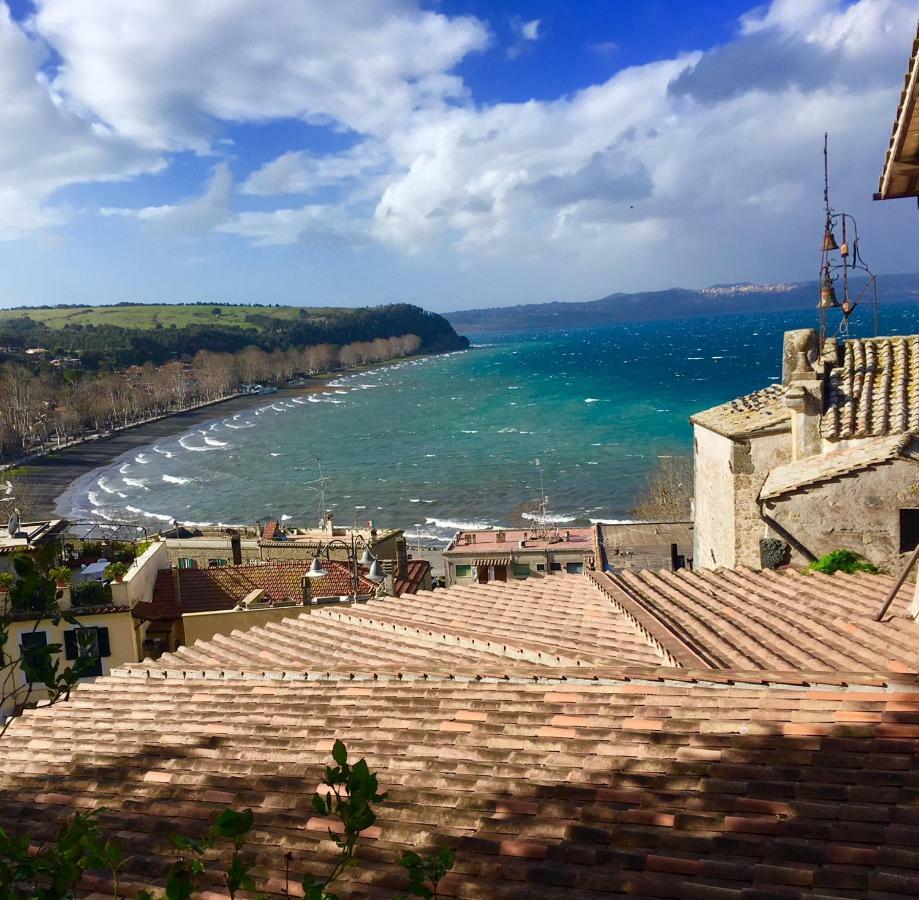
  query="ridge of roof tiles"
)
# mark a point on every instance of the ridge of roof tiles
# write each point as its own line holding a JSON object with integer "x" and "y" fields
{"x": 760, "y": 411}
{"x": 836, "y": 463}
{"x": 875, "y": 390}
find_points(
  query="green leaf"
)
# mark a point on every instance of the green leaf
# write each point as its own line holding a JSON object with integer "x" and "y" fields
{"x": 233, "y": 824}
{"x": 319, "y": 804}
{"x": 339, "y": 753}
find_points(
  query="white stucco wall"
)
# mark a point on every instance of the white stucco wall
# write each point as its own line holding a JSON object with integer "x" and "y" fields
{"x": 139, "y": 582}
{"x": 713, "y": 542}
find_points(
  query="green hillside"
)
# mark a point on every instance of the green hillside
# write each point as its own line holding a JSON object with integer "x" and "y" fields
{"x": 146, "y": 316}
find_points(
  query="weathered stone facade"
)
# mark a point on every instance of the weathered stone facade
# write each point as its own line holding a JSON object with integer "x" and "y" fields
{"x": 824, "y": 461}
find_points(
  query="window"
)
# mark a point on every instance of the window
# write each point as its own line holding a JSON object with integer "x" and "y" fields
{"x": 464, "y": 571}
{"x": 216, "y": 563}
{"x": 574, "y": 568}
{"x": 521, "y": 570}
{"x": 909, "y": 530}
{"x": 90, "y": 646}
{"x": 555, "y": 567}
{"x": 500, "y": 537}
{"x": 186, "y": 562}
{"x": 33, "y": 659}
{"x": 540, "y": 567}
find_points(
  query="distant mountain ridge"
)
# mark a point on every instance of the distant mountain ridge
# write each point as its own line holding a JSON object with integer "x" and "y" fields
{"x": 673, "y": 303}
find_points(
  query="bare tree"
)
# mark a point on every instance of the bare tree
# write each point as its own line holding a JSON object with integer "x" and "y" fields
{"x": 667, "y": 492}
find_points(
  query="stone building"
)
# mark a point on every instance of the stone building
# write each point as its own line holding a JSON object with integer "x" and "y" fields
{"x": 825, "y": 460}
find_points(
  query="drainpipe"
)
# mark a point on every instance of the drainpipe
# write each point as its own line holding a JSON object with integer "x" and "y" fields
{"x": 781, "y": 530}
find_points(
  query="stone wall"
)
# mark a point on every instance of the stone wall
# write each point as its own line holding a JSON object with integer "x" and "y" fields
{"x": 713, "y": 543}
{"x": 859, "y": 512}
{"x": 752, "y": 462}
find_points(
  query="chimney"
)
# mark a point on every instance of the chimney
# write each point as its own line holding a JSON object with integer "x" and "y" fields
{"x": 236, "y": 548}
{"x": 330, "y": 523}
{"x": 390, "y": 576}
{"x": 401, "y": 558}
{"x": 803, "y": 390}
{"x": 305, "y": 586}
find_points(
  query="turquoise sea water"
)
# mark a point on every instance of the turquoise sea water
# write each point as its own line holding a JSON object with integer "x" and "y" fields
{"x": 435, "y": 444}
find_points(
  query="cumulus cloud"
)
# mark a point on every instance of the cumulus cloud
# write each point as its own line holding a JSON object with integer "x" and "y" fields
{"x": 167, "y": 73}
{"x": 681, "y": 169}
{"x": 43, "y": 145}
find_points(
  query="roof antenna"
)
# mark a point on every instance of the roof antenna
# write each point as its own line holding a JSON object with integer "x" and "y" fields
{"x": 321, "y": 483}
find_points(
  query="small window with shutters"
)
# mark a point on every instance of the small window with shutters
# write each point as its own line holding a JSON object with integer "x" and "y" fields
{"x": 90, "y": 646}
{"x": 32, "y": 659}
{"x": 187, "y": 562}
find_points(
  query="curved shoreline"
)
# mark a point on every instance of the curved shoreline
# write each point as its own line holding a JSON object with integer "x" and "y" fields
{"x": 50, "y": 476}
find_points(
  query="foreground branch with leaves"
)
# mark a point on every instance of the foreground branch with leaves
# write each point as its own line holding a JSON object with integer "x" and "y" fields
{"x": 54, "y": 872}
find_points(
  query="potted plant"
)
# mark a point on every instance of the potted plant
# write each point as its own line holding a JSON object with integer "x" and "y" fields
{"x": 62, "y": 576}
{"x": 115, "y": 571}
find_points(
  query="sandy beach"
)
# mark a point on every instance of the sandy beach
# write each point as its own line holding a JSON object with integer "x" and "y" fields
{"x": 49, "y": 476}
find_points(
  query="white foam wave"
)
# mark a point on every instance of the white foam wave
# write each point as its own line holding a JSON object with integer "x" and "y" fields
{"x": 550, "y": 517}
{"x": 213, "y": 442}
{"x": 124, "y": 468}
{"x": 103, "y": 483}
{"x": 175, "y": 479}
{"x": 298, "y": 400}
{"x": 591, "y": 399}
{"x": 454, "y": 525}
{"x": 147, "y": 514}
{"x": 165, "y": 453}
{"x": 136, "y": 482}
{"x": 93, "y": 498}
{"x": 194, "y": 449}
{"x": 285, "y": 518}
{"x": 469, "y": 431}
{"x": 612, "y": 521}
{"x": 142, "y": 458}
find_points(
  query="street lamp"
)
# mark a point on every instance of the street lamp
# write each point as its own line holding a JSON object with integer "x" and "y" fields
{"x": 367, "y": 559}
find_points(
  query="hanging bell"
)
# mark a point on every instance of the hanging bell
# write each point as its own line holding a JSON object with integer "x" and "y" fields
{"x": 844, "y": 249}
{"x": 828, "y": 295}
{"x": 829, "y": 241}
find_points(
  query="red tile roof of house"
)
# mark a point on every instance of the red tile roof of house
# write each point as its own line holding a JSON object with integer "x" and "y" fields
{"x": 561, "y": 738}
{"x": 413, "y": 580}
{"x": 207, "y": 590}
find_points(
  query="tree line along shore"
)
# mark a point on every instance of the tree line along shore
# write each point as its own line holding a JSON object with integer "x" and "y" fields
{"x": 61, "y": 382}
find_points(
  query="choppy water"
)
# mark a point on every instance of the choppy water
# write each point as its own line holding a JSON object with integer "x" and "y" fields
{"x": 436, "y": 444}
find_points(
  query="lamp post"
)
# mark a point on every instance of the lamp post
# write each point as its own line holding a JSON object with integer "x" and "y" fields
{"x": 367, "y": 559}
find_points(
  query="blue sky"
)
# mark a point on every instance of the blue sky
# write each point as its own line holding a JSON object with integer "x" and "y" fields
{"x": 452, "y": 154}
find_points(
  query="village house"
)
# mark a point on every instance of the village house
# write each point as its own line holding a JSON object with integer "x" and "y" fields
{"x": 33, "y": 539}
{"x": 273, "y": 541}
{"x": 502, "y": 554}
{"x": 824, "y": 460}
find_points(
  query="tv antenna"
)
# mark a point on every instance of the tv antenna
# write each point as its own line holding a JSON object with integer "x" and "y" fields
{"x": 321, "y": 483}
{"x": 545, "y": 530}
{"x": 833, "y": 268}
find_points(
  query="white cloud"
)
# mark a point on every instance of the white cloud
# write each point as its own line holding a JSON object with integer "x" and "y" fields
{"x": 44, "y": 146}
{"x": 526, "y": 32}
{"x": 681, "y": 170}
{"x": 166, "y": 73}
{"x": 300, "y": 172}
{"x": 195, "y": 216}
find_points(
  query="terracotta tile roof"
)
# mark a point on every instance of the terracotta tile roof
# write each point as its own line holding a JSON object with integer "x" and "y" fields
{"x": 563, "y": 615}
{"x": 899, "y": 177}
{"x": 561, "y": 791}
{"x": 788, "y": 621}
{"x": 876, "y": 389}
{"x": 827, "y": 466}
{"x": 207, "y": 590}
{"x": 762, "y": 410}
{"x": 271, "y": 530}
{"x": 414, "y": 577}
{"x": 539, "y": 727}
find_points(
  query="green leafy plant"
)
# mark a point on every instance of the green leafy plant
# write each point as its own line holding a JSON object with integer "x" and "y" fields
{"x": 842, "y": 561}
{"x": 61, "y": 574}
{"x": 425, "y": 872}
{"x": 115, "y": 571}
{"x": 7, "y": 580}
{"x": 92, "y": 549}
